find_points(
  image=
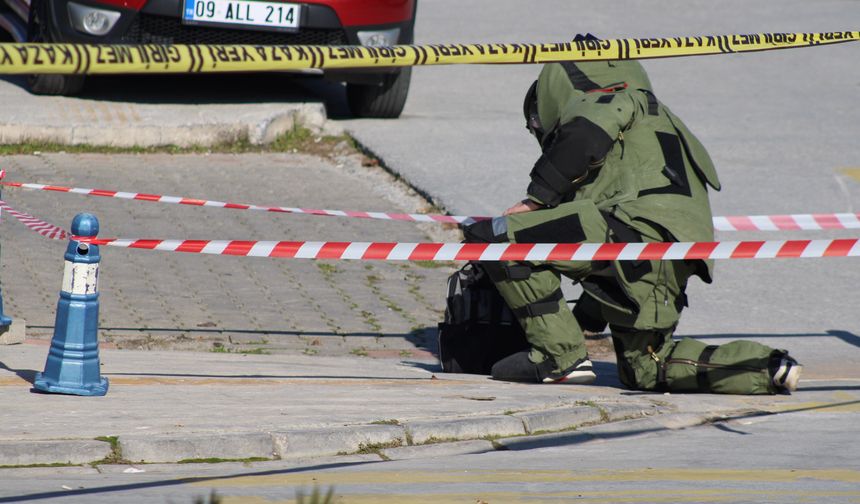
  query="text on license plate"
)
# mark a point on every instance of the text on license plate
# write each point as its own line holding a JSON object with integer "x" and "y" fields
{"x": 244, "y": 12}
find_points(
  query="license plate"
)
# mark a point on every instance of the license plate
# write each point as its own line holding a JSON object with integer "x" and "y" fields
{"x": 242, "y": 13}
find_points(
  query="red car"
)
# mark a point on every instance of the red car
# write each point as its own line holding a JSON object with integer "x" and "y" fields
{"x": 376, "y": 93}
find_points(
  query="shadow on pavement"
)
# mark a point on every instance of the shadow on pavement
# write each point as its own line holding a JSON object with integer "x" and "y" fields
{"x": 607, "y": 374}
{"x": 17, "y": 80}
{"x": 271, "y": 376}
{"x": 825, "y": 388}
{"x": 846, "y": 336}
{"x": 174, "y": 482}
{"x": 421, "y": 338}
{"x": 572, "y": 438}
{"x": 28, "y": 375}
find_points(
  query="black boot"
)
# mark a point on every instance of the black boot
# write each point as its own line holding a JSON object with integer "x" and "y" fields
{"x": 519, "y": 368}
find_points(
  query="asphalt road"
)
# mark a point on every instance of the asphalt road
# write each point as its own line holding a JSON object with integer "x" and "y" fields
{"x": 743, "y": 459}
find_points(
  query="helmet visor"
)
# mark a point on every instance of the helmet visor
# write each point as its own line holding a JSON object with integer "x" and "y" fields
{"x": 530, "y": 112}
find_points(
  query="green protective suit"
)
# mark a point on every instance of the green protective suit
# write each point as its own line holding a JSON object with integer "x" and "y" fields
{"x": 619, "y": 166}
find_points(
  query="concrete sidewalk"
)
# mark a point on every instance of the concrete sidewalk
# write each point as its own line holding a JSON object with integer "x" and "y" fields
{"x": 280, "y": 359}
{"x": 154, "y": 300}
{"x": 183, "y": 406}
{"x": 146, "y": 111}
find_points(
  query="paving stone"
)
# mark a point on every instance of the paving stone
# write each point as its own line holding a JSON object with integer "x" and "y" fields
{"x": 466, "y": 428}
{"x": 14, "y": 333}
{"x": 622, "y": 411}
{"x": 173, "y": 448}
{"x": 312, "y": 443}
{"x": 157, "y": 300}
{"x": 559, "y": 419}
{"x": 28, "y": 452}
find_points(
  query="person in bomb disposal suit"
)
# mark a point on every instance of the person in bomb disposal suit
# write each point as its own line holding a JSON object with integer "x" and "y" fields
{"x": 617, "y": 166}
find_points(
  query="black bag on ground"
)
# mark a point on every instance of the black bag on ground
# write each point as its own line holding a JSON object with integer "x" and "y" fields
{"x": 479, "y": 328}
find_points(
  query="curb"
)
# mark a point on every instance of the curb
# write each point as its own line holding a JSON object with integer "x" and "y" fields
{"x": 195, "y": 447}
{"x": 464, "y": 428}
{"x": 15, "y": 333}
{"x": 401, "y": 441}
{"x": 38, "y": 452}
{"x": 263, "y": 131}
{"x": 559, "y": 419}
{"x": 340, "y": 441}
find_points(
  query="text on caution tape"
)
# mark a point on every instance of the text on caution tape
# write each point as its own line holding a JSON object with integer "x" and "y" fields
{"x": 27, "y": 58}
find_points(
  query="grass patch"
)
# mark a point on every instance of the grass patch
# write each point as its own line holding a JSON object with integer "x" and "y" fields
{"x": 434, "y": 440}
{"x": 298, "y": 139}
{"x": 214, "y": 498}
{"x": 434, "y": 264}
{"x": 115, "y": 456}
{"x": 112, "y": 440}
{"x": 391, "y": 305}
{"x": 371, "y": 320}
{"x": 375, "y": 448}
{"x": 255, "y": 351}
{"x": 215, "y": 460}
{"x": 556, "y": 431}
{"x": 294, "y": 139}
{"x": 316, "y": 497}
{"x": 327, "y": 268}
{"x": 361, "y": 352}
{"x": 40, "y": 147}
{"x": 261, "y": 341}
{"x": 392, "y": 421}
{"x": 27, "y": 466}
{"x": 604, "y": 415}
{"x": 219, "y": 348}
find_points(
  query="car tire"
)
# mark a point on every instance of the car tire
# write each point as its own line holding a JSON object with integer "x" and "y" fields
{"x": 385, "y": 101}
{"x": 48, "y": 84}
{"x": 55, "y": 84}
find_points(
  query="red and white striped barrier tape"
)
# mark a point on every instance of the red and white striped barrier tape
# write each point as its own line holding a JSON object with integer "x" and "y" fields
{"x": 180, "y": 200}
{"x": 470, "y": 251}
{"x": 794, "y": 222}
{"x": 45, "y": 229}
{"x": 499, "y": 251}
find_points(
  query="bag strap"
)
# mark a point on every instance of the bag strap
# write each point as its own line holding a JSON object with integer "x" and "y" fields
{"x": 545, "y": 306}
{"x": 517, "y": 271}
{"x": 702, "y": 371}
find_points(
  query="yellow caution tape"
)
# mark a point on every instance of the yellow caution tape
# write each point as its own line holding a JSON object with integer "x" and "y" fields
{"x": 111, "y": 59}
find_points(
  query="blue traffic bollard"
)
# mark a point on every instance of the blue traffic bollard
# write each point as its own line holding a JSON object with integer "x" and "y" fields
{"x": 4, "y": 320}
{"x": 73, "y": 361}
